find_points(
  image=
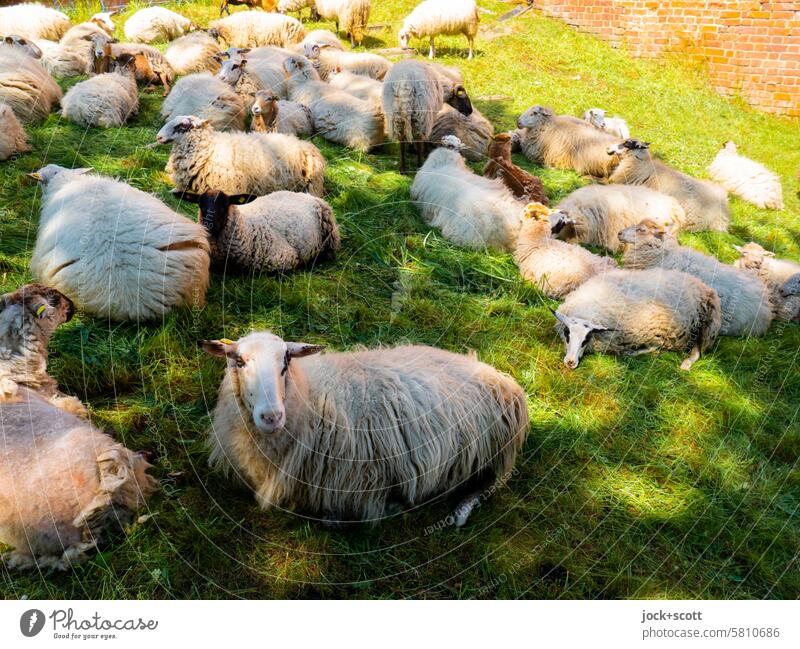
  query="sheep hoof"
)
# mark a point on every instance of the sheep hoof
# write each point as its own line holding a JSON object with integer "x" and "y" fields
{"x": 464, "y": 509}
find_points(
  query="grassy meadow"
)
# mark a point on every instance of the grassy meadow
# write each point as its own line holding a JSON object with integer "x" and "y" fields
{"x": 637, "y": 480}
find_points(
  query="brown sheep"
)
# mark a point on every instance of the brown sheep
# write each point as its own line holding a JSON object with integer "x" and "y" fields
{"x": 522, "y": 184}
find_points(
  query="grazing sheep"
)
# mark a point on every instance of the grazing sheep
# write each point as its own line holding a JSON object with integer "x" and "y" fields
{"x": 555, "y": 267}
{"x": 632, "y": 312}
{"x": 473, "y": 129}
{"x": 61, "y": 61}
{"x": 522, "y": 184}
{"x": 118, "y": 252}
{"x": 274, "y": 115}
{"x": 351, "y": 436}
{"x": 746, "y": 306}
{"x": 774, "y": 273}
{"x": 209, "y": 98}
{"x": 705, "y": 204}
{"x": 364, "y": 88}
{"x": 325, "y": 60}
{"x": 749, "y": 180}
{"x": 351, "y": 15}
{"x": 26, "y": 86}
{"x": 31, "y": 20}
{"x": 156, "y": 24}
{"x": 289, "y": 6}
{"x": 107, "y": 99}
{"x": 432, "y": 18}
{"x": 614, "y": 125}
{"x": 194, "y": 52}
{"x": 265, "y": 5}
{"x": 274, "y": 233}
{"x": 13, "y": 139}
{"x": 565, "y": 142}
{"x": 595, "y": 214}
{"x": 470, "y": 210}
{"x": 205, "y": 160}
{"x": 256, "y": 28}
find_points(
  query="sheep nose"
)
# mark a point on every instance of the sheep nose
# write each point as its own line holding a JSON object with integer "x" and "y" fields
{"x": 571, "y": 363}
{"x": 256, "y": 110}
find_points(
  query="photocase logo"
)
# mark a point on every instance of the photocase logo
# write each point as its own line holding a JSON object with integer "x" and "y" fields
{"x": 31, "y": 622}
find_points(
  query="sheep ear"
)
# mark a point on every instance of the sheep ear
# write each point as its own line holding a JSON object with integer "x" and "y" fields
{"x": 558, "y": 316}
{"x": 298, "y": 350}
{"x": 182, "y": 195}
{"x": 9, "y": 39}
{"x": 222, "y": 347}
{"x": 242, "y": 199}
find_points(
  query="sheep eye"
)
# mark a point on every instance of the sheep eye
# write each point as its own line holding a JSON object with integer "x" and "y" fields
{"x": 566, "y": 334}
{"x": 240, "y": 362}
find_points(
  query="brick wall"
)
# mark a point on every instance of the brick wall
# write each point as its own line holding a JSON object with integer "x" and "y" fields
{"x": 751, "y": 47}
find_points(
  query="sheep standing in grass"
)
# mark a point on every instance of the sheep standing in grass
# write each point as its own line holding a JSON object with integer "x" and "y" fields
{"x": 209, "y": 98}
{"x": 205, "y": 160}
{"x": 353, "y": 436}
{"x": 194, "y": 52}
{"x": 274, "y": 115}
{"x": 746, "y": 305}
{"x": 118, "y": 252}
{"x": 705, "y": 204}
{"x": 522, "y": 184}
{"x": 13, "y": 139}
{"x": 289, "y": 6}
{"x": 632, "y": 312}
{"x": 432, "y": 18}
{"x": 774, "y": 273}
{"x": 614, "y": 125}
{"x": 749, "y": 180}
{"x": 351, "y": 16}
{"x": 26, "y": 86}
{"x": 32, "y": 20}
{"x": 156, "y": 24}
{"x": 256, "y": 28}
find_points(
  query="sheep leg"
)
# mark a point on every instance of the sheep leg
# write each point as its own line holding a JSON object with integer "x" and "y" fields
{"x": 642, "y": 350}
{"x": 471, "y": 44}
{"x": 352, "y": 41}
{"x": 691, "y": 359}
{"x": 464, "y": 509}
{"x": 164, "y": 82}
{"x": 432, "y": 50}
{"x": 222, "y": 8}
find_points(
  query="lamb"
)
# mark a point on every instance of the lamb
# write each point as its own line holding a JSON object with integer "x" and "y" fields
{"x": 351, "y": 15}
{"x": 32, "y": 20}
{"x": 557, "y": 268}
{"x": 746, "y": 306}
{"x": 194, "y": 52}
{"x": 256, "y": 28}
{"x": 156, "y": 24}
{"x": 118, "y": 252}
{"x": 432, "y": 18}
{"x": 614, "y": 125}
{"x": 705, "y": 204}
{"x": 326, "y": 60}
{"x": 358, "y": 85}
{"x": 352, "y": 436}
{"x": 595, "y": 214}
{"x": 274, "y": 115}
{"x": 565, "y": 142}
{"x": 470, "y": 210}
{"x": 61, "y": 61}
{"x": 26, "y": 86}
{"x": 522, "y": 184}
{"x": 209, "y": 98}
{"x": 106, "y": 100}
{"x": 749, "y": 180}
{"x": 275, "y": 233}
{"x": 473, "y": 129}
{"x": 632, "y": 312}
{"x": 774, "y": 273}
{"x": 288, "y": 6}
{"x": 13, "y": 139}
{"x": 203, "y": 160}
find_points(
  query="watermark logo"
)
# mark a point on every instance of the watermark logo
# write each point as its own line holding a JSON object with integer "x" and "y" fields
{"x": 31, "y": 622}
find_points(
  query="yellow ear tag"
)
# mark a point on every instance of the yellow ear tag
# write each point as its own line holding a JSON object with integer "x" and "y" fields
{"x": 40, "y": 310}
{"x": 226, "y": 341}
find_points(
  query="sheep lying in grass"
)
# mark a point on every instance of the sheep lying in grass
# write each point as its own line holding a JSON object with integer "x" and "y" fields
{"x": 108, "y": 100}
{"x": 358, "y": 85}
{"x": 26, "y": 86}
{"x": 248, "y": 77}
{"x": 156, "y": 24}
{"x": 352, "y": 436}
{"x": 522, "y": 184}
{"x": 194, "y": 52}
{"x": 791, "y": 289}
{"x": 432, "y": 18}
{"x": 556, "y": 267}
{"x": 29, "y": 47}
{"x": 118, "y": 252}
{"x": 351, "y": 16}
{"x": 32, "y": 20}
{"x": 274, "y": 115}
{"x": 774, "y": 273}
{"x": 151, "y": 66}
{"x": 632, "y": 312}
{"x": 256, "y": 28}
{"x": 13, "y": 139}
{"x": 617, "y": 126}
{"x": 85, "y": 42}
{"x": 749, "y": 180}
{"x": 61, "y": 61}
{"x": 205, "y": 160}
{"x": 326, "y": 60}
{"x": 274, "y": 233}
{"x": 209, "y": 98}
{"x": 705, "y": 204}
{"x": 472, "y": 128}
{"x": 746, "y": 306}
{"x": 595, "y": 214}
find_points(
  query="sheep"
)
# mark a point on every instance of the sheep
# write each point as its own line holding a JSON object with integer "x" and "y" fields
{"x": 565, "y": 142}
{"x": 64, "y": 484}
{"x": 26, "y": 86}
{"x": 204, "y": 160}
{"x": 256, "y": 28}
{"x": 338, "y": 116}
{"x": 250, "y": 76}
{"x": 86, "y": 42}
{"x": 275, "y": 233}
{"x": 288, "y": 6}
{"x": 632, "y": 312}
{"x": 326, "y": 60}
{"x": 107, "y": 99}
{"x": 614, "y": 125}
{"x": 352, "y": 436}
{"x": 156, "y": 24}
{"x": 29, "y": 47}
{"x": 358, "y": 85}
{"x": 192, "y": 53}
{"x": 522, "y": 184}
{"x": 351, "y": 15}
{"x": 746, "y": 305}
{"x": 61, "y": 61}
{"x": 274, "y": 115}
{"x": 595, "y": 214}
{"x": 471, "y": 211}
{"x": 473, "y": 129}
{"x": 557, "y": 268}
{"x": 100, "y": 23}
{"x": 266, "y": 5}
{"x": 207, "y": 97}
{"x": 705, "y": 204}
{"x": 31, "y": 20}
{"x": 13, "y": 139}
{"x": 791, "y": 288}
{"x": 774, "y": 273}
{"x": 749, "y": 180}
{"x": 152, "y": 67}
{"x": 118, "y": 252}
{"x": 321, "y": 37}
{"x": 432, "y": 18}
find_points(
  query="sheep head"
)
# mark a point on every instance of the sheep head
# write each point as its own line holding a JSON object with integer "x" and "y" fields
{"x": 265, "y": 111}
{"x": 637, "y": 148}
{"x": 791, "y": 287}
{"x": 597, "y": 117}
{"x": 534, "y": 117}
{"x": 48, "y": 173}
{"x": 29, "y": 47}
{"x": 647, "y": 234}
{"x": 577, "y": 333}
{"x": 178, "y": 126}
{"x": 214, "y": 207}
{"x": 752, "y": 255}
{"x": 104, "y": 22}
{"x": 28, "y": 318}
{"x": 452, "y": 143}
{"x": 405, "y": 35}
{"x": 124, "y": 64}
{"x": 232, "y": 69}
{"x": 460, "y": 101}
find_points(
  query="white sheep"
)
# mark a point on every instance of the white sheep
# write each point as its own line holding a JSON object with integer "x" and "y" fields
{"x": 746, "y": 304}
{"x": 205, "y": 160}
{"x": 250, "y": 76}
{"x": 13, "y": 139}
{"x": 29, "y": 47}
{"x": 749, "y": 180}
{"x": 614, "y": 125}
{"x": 257, "y": 28}
{"x": 432, "y": 18}
{"x": 358, "y": 85}
{"x": 32, "y": 20}
{"x": 118, "y": 252}
{"x": 352, "y": 436}
{"x": 326, "y": 60}
{"x": 321, "y": 37}
{"x": 26, "y": 86}
{"x": 207, "y": 97}
{"x": 274, "y": 115}
{"x": 156, "y": 24}
{"x": 194, "y": 52}
{"x": 351, "y": 16}
{"x": 774, "y": 273}
{"x": 84, "y": 41}
{"x": 289, "y": 6}
{"x": 60, "y": 61}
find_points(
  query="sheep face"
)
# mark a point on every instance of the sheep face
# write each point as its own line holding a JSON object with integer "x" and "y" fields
{"x": 31, "y": 49}
{"x": 48, "y": 173}
{"x": 296, "y": 67}
{"x": 576, "y": 333}
{"x": 265, "y": 108}
{"x": 753, "y": 255}
{"x": 597, "y": 117}
{"x": 791, "y": 287}
{"x": 460, "y": 101}
{"x": 33, "y": 309}
{"x": 231, "y": 70}
{"x": 647, "y": 234}
{"x": 261, "y": 363}
{"x": 534, "y": 117}
{"x": 635, "y": 148}
{"x": 175, "y": 128}
{"x": 103, "y": 20}
{"x": 214, "y": 207}
{"x": 405, "y": 36}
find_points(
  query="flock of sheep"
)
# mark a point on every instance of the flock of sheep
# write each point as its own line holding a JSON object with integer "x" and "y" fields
{"x": 347, "y": 436}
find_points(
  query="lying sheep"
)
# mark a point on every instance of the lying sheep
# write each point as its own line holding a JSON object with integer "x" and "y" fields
{"x": 118, "y": 252}
{"x": 746, "y": 306}
{"x": 749, "y": 180}
{"x": 13, "y": 139}
{"x": 32, "y": 20}
{"x": 470, "y": 210}
{"x": 473, "y": 129}
{"x": 361, "y": 87}
{"x": 326, "y": 60}
{"x": 85, "y": 42}
{"x": 61, "y": 61}
{"x": 323, "y": 38}
{"x": 431, "y": 18}
{"x": 275, "y": 233}
{"x": 256, "y": 28}
{"x": 705, "y": 204}
{"x": 632, "y": 312}
{"x": 351, "y": 15}
{"x": 248, "y": 77}
{"x": 351, "y": 436}
{"x": 156, "y": 24}
{"x": 209, "y": 98}
{"x": 274, "y": 115}
{"x": 151, "y": 66}
{"x": 27, "y": 46}
{"x": 194, "y": 52}
{"x": 774, "y": 273}
{"x": 557, "y": 268}
{"x": 99, "y": 23}
{"x": 205, "y": 160}
{"x": 108, "y": 100}
{"x": 791, "y": 288}
{"x": 617, "y": 126}
{"x": 26, "y": 86}
{"x": 522, "y": 184}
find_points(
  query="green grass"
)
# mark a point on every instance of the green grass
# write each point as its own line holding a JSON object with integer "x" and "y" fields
{"x": 637, "y": 480}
